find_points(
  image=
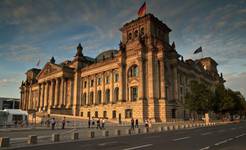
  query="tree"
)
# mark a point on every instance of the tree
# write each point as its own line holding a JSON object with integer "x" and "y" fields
{"x": 199, "y": 98}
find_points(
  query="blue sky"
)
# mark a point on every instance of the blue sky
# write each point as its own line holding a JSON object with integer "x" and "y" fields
{"x": 39, "y": 29}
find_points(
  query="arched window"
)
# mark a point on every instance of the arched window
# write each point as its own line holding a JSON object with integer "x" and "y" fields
{"x": 91, "y": 97}
{"x": 107, "y": 94}
{"x": 129, "y": 36}
{"x": 134, "y": 93}
{"x": 133, "y": 71}
{"x": 99, "y": 97}
{"x": 142, "y": 32}
{"x": 116, "y": 94}
{"x": 136, "y": 33}
{"x": 84, "y": 99}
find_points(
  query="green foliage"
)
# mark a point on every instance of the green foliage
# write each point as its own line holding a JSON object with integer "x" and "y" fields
{"x": 198, "y": 100}
{"x": 201, "y": 99}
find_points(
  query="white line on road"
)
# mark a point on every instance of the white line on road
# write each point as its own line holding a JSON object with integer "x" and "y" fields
{"x": 183, "y": 138}
{"x": 138, "y": 147}
{"x": 240, "y": 135}
{"x": 221, "y": 142}
{"x": 221, "y": 131}
{"x": 107, "y": 143}
{"x": 205, "y": 148}
{"x": 206, "y": 133}
{"x": 150, "y": 137}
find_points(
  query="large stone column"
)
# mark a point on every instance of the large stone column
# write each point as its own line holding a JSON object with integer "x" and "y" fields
{"x": 61, "y": 102}
{"x": 141, "y": 79}
{"x": 57, "y": 85}
{"x": 65, "y": 93}
{"x": 76, "y": 94}
{"x": 95, "y": 90}
{"x": 39, "y": 97}
{"x": 111, "y": 100}
{"x": 42, "y": 101}
{"x": 103, "y": 88}
{"x": 150, "y": 77}
{"x": 46, "y": 95}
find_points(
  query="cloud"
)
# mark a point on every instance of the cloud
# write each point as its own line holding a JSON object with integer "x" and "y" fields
{"x": 236, "y": 82}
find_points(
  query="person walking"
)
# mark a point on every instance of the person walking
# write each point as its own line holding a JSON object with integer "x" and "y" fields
{"x": 132, "y": 124}
{"x": 136, "y": 123}
{"x": 63, "y": 123}
{"x": 53, "y": 123}
{"x": 98, "y": 123}
{"x": 103, "y": 123}
{"x": 146, "y": 123}
{"x": 89, "y": 123}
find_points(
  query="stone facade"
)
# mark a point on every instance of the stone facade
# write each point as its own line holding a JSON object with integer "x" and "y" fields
{"x": 145, "y": 78}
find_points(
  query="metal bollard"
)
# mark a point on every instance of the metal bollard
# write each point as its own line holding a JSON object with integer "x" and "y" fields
{"x": 4, "y": 141}
{"x": 146, "y": 130}
{"x": 166, "y": 128}
{"x": 137, "y": 130}
{"x": 75, "y": 136}
{"x": 55, "y": 137}
{"x": 117, "y": 132}
{"x": 105, "y": 133}
{"x": 128, "y": 131}
{"x": 91, "y": 134}
{"x": 159, "y": 129}
{"x": 32, "y": 139}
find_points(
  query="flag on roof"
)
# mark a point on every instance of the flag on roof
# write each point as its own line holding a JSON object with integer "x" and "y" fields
{"x": 38, "y": 63}
{"x": 142, "y": 10}
{"x": 198, "y": 50}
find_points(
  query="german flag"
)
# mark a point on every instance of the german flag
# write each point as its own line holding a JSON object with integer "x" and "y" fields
{"x": 142, "y": 10}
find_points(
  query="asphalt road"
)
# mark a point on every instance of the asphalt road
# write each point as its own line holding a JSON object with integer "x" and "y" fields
{"x": 226, "y": 137}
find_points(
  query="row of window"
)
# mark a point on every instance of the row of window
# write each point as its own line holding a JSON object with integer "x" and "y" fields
{"x": 128, "y": 114}
{"x": 135, "y": 34}
{"x": 99, "y": 80}
{"x": 99, "y": 97}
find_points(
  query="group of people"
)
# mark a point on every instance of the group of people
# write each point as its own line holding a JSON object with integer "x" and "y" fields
{"x": 134, "y": 124}
{"x": 147, "y": 123}
{"x": 100, "y": 123}
{"x": 52, "y": 122}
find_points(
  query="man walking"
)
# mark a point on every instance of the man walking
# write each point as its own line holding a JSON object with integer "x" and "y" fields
{"x": 63, "y": 123}
{"x": 136, "y": 123}
{"x": 53, "y": 123}
{"x": 132, "y": 124}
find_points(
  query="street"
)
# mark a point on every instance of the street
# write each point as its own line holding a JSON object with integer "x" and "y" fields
{"x": 226, "y": 137}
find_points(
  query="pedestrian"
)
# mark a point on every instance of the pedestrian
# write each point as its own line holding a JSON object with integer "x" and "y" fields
{"x": 103, "y": 123}
{"x": 136, "y": 123}
{"x": 89, "y": 123}
{"x": 98, "y": 123}
{"x": 93, "y": 122}
{"x": 53, "y": 123}
{"x": 63, "y": 123}
{"x": 132, "y": 124}
{"x": 146, "y": 123}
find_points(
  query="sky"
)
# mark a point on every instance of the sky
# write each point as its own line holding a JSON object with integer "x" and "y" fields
{"x": 39, "y": 29}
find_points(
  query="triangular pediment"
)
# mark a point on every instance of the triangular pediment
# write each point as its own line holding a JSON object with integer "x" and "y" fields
{"x": 49, "y": 69}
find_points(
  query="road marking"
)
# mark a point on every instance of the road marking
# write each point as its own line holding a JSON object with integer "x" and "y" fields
{"x": 107, "y": 143}
{"x": 149, "y": 137}
{"x": 221, "y": 131}
{"x": 206, "y": 133}
{"x": 221, "y": 142}
{"x": 240, "y": 135}
{"x": 205, "y": 148}
{"x": 183, "y": 138}
{"x": 138, "y": 147}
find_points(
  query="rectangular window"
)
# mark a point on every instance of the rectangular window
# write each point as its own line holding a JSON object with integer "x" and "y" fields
{"x": 128, "y": 113}
{"x": 96, "y": 114}
{"x": 116, "y": 77}
{"x": 104, "y": 114}
{"x": 88, "y": 114}
{"x": 85, "y": 84}
{"x": 134, "y": 93}
{"x": 92, "y": 83}
{"x": 107, "y": 80}
{"x": 81, "y": 114}
{"x": 114, "y": 114}
{"x": 99, "y": 81}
